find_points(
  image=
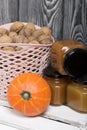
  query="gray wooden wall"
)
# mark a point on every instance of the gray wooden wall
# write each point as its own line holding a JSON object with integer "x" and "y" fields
{"x": 66, "y": 18}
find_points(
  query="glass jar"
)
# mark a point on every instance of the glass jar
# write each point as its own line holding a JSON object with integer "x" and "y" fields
{"x": 69, "y": 57}
{"x": 58, "y": 84}
{"x": 77, "y": 96}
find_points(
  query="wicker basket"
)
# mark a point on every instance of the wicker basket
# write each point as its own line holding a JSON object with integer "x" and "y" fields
{"x": 32, "y": 58}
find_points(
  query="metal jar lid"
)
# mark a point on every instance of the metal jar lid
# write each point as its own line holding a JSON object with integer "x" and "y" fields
{"x": 75, "y": 65}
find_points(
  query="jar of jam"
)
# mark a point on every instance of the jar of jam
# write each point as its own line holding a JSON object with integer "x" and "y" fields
{"x": 77, "y": 96}
{"x": 69, "y": 57}
{"x": 58, "y": 84}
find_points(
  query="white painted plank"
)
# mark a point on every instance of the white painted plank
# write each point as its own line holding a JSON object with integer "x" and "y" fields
{"x": 61, "y": 113}
{"x": 11, "y": 118}
{"x": 5, "y": 127}
{"x": 66, "y": 114}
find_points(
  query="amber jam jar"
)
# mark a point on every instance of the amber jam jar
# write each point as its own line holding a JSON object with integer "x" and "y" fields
{"x": 58, "y": 84}
{"x": 77, "y": 96}
{"x": 69, "y": 57}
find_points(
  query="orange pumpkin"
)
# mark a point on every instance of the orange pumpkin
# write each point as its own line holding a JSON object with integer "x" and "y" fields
{"x": 29, "y": 94}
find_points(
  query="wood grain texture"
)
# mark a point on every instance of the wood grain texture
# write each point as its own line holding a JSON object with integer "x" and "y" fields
{"x": 75, "y": 20}
{"x": 66, "y": 18}
{"x": 30, "y": 11}
{"x": 53, "y": 15}
{"x": 8, "y": 11}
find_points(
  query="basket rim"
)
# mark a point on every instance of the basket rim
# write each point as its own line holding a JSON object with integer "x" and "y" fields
{"x": 7, "y": 25}
{"x": 25, "y": 44}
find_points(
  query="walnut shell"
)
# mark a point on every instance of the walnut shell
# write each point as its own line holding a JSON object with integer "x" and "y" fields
{"x": 20, "y": 39}
{"x": 30, "y": 26}
{"x": 34, "y": 42}
{"x": 44, "y": 37}
{"x": 48, "y": 41}
{"x": 7, "y": 48}
{"x": 37, "y": 33}
{"x": 3, "y": 31}
{"x": 46, "y": 30}
{"x": 27, "y": 32}
{"x": 5, "y": 39}
{"x": 21, "y": 32}
{"x": 16, "y": 26}
{"x": 12, "y": 34}
{"x": 17, "y": 48}
{"x": 31, "y": 38}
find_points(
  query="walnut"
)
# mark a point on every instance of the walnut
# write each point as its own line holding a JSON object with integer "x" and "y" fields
{"x": 17, "y": 48}
{"x": 12, "y": 34}
{"x": 7, "y": 48}
{"x": 21, "y": 32}
{"x": 37, "y": 33}
{"x": 34, "y": 42}
{"x": 16, "y": 26}
{"x": 47, "y": 41}
{"x": 30, "y": 26}
{"x": 43, "y": 37}
{"x": 31, "y": 38}
{"x": 46, "y": 30}
{"x": 3, "y": 31}
{"x": 27, "y": 32}
{"x": 28, "y": 29}
{"x": 20, "y": 39}
{"x": 5, "y": 39}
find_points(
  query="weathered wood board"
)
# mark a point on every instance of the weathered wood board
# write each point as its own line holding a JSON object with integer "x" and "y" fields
{"x": 66, "y": 18}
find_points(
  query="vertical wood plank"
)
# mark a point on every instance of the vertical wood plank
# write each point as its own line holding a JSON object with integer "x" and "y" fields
{"x": 74, "y": 23}
{"x": 53, "y": 16}
{"x": 13, "y": 7}
{"x": 8, "y": 11}
{"x": 30, "y": 11}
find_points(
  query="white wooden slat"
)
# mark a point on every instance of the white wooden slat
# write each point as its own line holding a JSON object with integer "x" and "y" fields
{"x": 61, "y": 113}
{"x": 5, "y": 127}
{"x": 67, "y": 115}
{"x": 11, "y": 118}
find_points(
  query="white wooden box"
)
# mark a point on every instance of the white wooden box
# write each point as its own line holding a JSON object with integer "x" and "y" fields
{"x": 61, "y": 113}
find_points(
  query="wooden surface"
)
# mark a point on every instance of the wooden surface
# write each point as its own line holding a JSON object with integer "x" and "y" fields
{"x": 61, "y": 113}
{"x": 11, "y": 118}
{"x": 66, "y": 18}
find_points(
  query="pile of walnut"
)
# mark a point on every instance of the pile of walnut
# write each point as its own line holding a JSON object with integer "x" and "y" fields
{"x": 21, "y": 33}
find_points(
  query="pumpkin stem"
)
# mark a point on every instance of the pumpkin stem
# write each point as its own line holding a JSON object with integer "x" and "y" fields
{"x": 26, "y": 95}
